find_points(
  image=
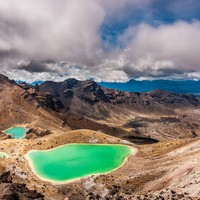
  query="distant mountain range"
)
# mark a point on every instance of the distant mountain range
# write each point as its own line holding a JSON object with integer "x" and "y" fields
{"x": 33, "y": 83}
{"x": 180, "y": 86}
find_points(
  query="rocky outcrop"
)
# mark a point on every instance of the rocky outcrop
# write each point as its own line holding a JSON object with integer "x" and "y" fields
{"x": 16, "y": 191}
{"x": 43, "y": 99}
{"x": 47, "y": 100}
{"x": 5, "y": 177}
{"x": 35, "y": 133}
{"x": 4, "y": 136}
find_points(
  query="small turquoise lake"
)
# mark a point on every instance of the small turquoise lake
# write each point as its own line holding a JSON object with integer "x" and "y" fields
{"x": 16, "y": 132}
{"x": 73, "y": 161}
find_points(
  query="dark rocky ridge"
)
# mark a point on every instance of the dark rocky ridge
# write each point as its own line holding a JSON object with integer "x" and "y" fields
{"x": 66, "y": 94}
{"x": 72, "y": 92}
{"x": 4, "y": 79}
{"x": 35, "y": 133}
{"x": 16, "y": 191}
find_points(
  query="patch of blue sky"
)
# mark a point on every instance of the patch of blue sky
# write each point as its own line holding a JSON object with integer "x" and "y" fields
{"x": 155, "y": 14}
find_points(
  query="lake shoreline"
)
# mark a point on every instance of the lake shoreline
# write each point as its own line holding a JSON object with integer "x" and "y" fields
{"x": 4, "y": 155}
{"x": 30, "y": 164}
{"x": 14, "y": 135}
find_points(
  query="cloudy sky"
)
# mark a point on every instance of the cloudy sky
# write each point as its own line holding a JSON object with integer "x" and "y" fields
{"x": 108, "y": 40}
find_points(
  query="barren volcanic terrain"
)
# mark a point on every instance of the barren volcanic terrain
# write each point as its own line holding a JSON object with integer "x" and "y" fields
{"x": 164, "y": 128}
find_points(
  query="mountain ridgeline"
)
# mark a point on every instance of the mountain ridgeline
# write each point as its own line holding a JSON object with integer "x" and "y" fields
{"x": 76, "y": 94}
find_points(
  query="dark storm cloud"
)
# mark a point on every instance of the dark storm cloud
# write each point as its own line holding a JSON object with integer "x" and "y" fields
{"x": 37, "y": 67}
{"x": 159, "y": 73}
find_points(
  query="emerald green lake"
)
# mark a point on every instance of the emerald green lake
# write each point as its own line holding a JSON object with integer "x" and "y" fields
{"x": 16, "y": 132}
{"x": 74, "y": 161}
